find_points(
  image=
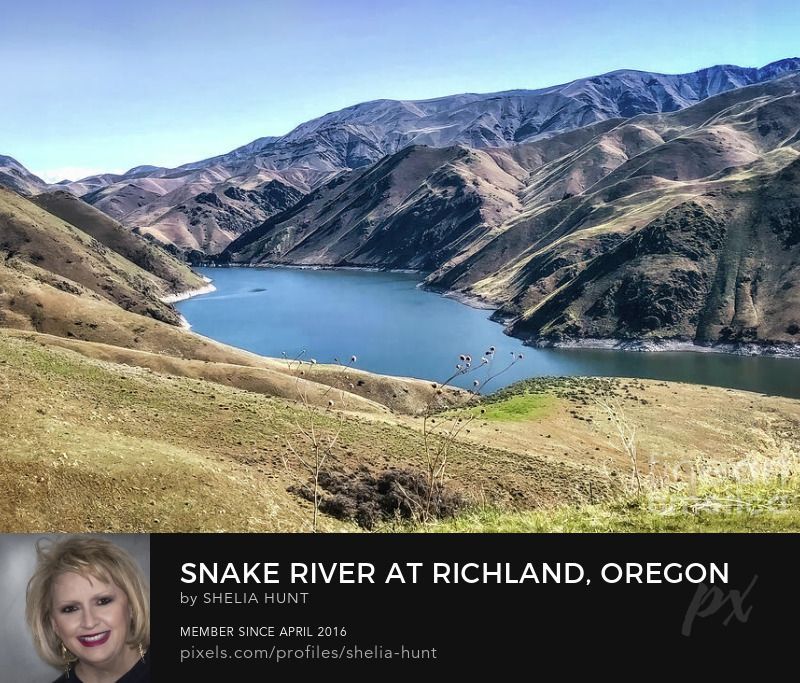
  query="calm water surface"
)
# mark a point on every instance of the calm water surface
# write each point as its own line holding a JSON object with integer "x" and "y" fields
{"x": 393, "y": 327}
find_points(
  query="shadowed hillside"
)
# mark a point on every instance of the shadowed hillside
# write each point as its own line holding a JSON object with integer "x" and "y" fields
{"x": 411, "y": 210}
{"x": 119, "y": 239}
{"x": 39, "y": 248}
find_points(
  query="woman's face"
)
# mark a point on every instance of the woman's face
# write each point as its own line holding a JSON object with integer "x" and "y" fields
{"x": 92, "y": 618}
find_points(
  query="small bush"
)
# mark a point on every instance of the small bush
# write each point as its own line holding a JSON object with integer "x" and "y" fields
{"x": 369, "y": 498}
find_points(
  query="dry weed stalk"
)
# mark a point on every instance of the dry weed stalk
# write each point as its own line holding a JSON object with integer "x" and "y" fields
{"x": 724, "y": 486}
{"x": 321, "y": 444}
{"x": 626, "y": 431}
{"x": 440, "y": 437}
{"x": 418, "y": 510}
{"x": 290, "y": 362}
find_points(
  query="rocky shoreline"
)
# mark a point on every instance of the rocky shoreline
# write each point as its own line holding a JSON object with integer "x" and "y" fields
{"x": 662, "y": 345}
{"x": 466, "y": 299}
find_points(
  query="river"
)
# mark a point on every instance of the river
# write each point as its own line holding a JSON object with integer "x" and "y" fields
{"x": 394, "y": 327}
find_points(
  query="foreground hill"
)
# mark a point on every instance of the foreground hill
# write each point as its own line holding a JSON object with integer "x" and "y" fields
{"x": 666, "y": 226}
{"x": 119, "y": 239}
{"x": 43, "y": 257}
{"x": 162, "y": 452}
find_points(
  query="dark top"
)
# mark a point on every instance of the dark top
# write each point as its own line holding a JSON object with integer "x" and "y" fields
{"x": 140, "y": 673}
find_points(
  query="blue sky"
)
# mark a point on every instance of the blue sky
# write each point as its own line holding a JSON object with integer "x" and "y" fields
{"x": 92, "y": 85}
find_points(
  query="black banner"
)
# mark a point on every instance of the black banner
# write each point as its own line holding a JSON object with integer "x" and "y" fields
{"x": 246, "y": 605}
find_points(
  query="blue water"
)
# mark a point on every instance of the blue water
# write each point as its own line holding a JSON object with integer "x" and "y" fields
{"x": 394, "y": 327}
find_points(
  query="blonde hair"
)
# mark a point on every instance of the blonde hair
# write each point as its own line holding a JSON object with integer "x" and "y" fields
{"x": 95, "y": 557}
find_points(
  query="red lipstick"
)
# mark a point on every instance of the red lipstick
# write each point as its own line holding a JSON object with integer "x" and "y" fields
{"x": 94, "y": 639}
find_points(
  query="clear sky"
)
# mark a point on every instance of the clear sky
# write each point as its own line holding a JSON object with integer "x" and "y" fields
{"x": 104, "y": 85}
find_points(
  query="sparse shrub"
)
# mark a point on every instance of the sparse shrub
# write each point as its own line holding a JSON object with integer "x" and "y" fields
{"x": 626, "y": 431}
{"x": 370, "y": 498}
{"x": 440, "y": 436}
{"x": 311, "y": 446}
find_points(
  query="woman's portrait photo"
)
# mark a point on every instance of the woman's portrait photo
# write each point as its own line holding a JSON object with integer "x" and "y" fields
{"x": 86, "y": 602}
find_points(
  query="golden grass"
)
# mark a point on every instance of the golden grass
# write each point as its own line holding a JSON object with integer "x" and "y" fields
{"x": 87, "y": 444}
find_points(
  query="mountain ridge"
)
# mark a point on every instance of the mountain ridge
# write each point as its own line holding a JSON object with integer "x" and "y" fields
{"x": 314, "y": 152}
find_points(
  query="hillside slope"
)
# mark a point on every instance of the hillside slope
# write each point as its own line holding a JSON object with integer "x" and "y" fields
{"x": 119, "y": 239}
{"x": 678, "y": 226}
{"x": 40, "y": 248}
{"x": 413, "y": 209}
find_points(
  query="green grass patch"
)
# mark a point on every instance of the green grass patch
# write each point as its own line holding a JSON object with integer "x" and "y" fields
{"x": 518, "y": 408}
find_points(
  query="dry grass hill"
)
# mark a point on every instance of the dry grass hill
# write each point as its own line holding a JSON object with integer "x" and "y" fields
{"x": 100, "y": 439}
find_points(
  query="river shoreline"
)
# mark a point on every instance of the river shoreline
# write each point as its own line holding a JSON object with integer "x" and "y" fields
{"x": 188, "y": 294}
{"x": 467, "y": 299}
{"x": 300, "y": 266}
{"x": 768, "y": 349}
{"x": 773, "y": 350}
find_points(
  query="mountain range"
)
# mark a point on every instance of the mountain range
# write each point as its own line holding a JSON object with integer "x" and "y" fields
{"x": 176, "y": 205}
{"x": 630, "y": 205}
